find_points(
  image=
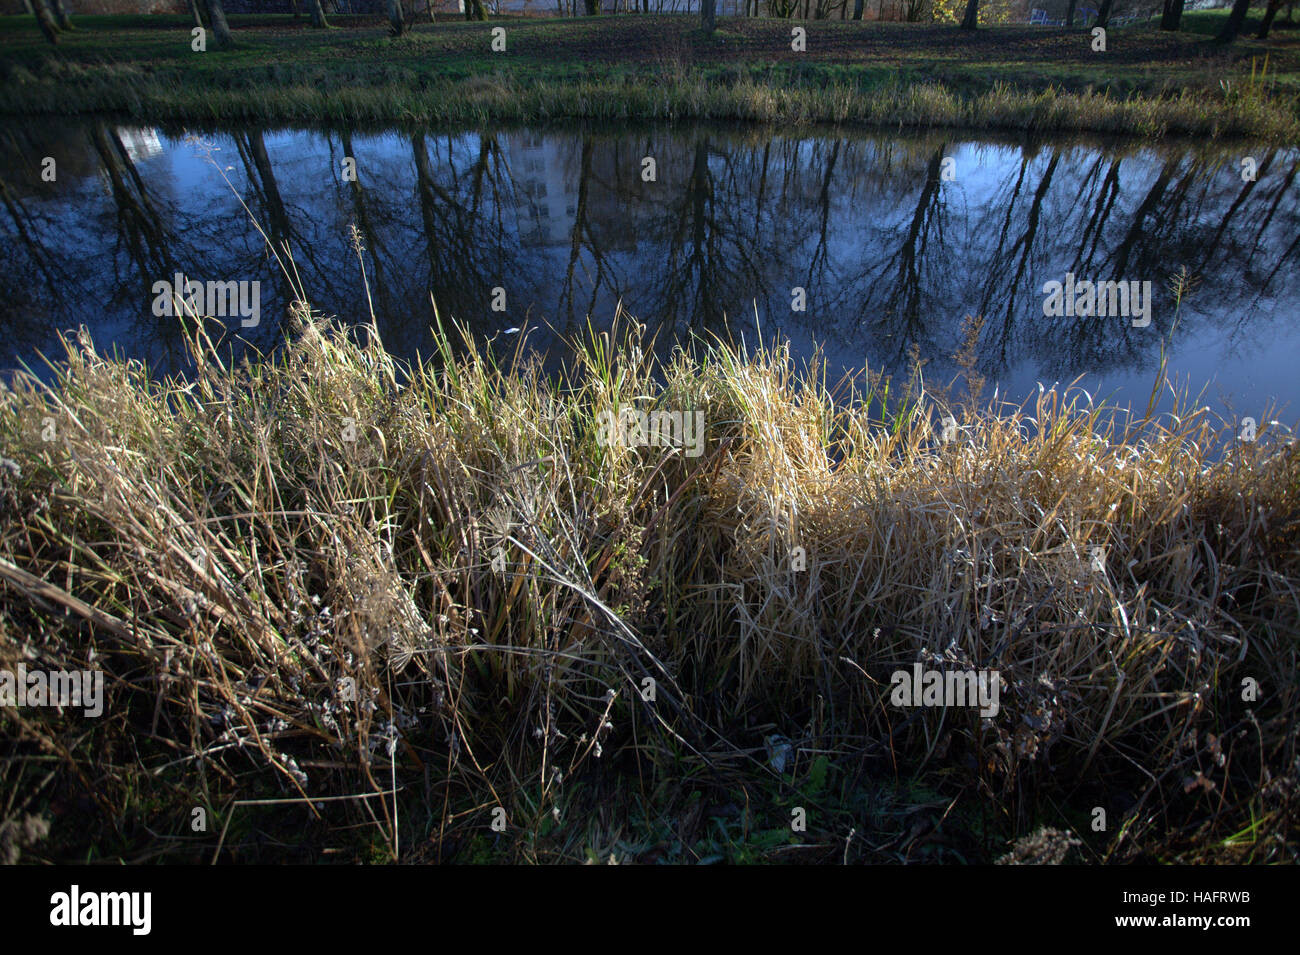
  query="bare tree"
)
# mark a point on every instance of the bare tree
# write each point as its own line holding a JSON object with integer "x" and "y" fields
{"x": 61, "y": 15}
{"x": 196, "y": 13}
{"x": 1235, "y": 19}
{"x": 45, "y": 20}
{"x": 217, "y": 17}
{"x": 1171, "y": 15}
{"x": 396, "y": 22}
{"x": 318, "y": 15}
{"x": 971, "y": 20}
{"x": 1103, "y": 18}
{"x": 1269, "y": 13}
{"x": 708, "y": 16}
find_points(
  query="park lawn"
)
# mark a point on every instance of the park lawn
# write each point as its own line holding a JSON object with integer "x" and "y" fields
{"x": 661, "y": 68}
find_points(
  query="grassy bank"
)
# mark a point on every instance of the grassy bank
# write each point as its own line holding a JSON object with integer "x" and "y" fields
{"x": 350, "y": 610}
{"x": 1148, "y": 83}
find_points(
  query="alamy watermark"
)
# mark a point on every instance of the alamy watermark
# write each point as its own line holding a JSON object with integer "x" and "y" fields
{"x": 216, "y": 299}
{"x": 922, "y": 687}
{"x": 1086, "y": 299}
{"x": 634, "y": 428}
{"x": 76, "y": 908}
{"x": 71, "y": 688}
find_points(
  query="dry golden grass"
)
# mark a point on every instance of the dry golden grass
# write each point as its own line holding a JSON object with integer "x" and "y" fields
{"x": 453, "y": 539}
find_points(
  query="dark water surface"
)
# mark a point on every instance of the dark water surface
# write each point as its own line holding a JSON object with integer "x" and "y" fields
{"x": 892, "y": 245}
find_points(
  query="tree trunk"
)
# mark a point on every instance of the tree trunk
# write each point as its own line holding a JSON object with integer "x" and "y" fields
{"x": 61, "y": 16}
{"x": 198, "y": 16}
{"x": 45, "y": 20}
{"x": 857, "y": 8}
{"x": 474, "y": 10}
{"x": 396, "y": 21}
{"x": 1069, "y": 12}
{"x": 592, "y": 7}
{"x": 708, "y": 16}
{"x": 1269, "y": 13}
{"x": 1171, "y": 15}
{"x": 971, "y": 20}
{"x": 1103, "y": 18}
{"x": 217, "y": 17}
{"x": 318, "y": 15}
{"x": 1235, "y": 19}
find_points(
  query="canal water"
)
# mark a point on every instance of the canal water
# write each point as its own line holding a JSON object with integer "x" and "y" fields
{"x": 882, "y": 250}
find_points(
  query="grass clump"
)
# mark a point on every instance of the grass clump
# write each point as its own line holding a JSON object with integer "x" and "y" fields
{"x": 350, "y": 609}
